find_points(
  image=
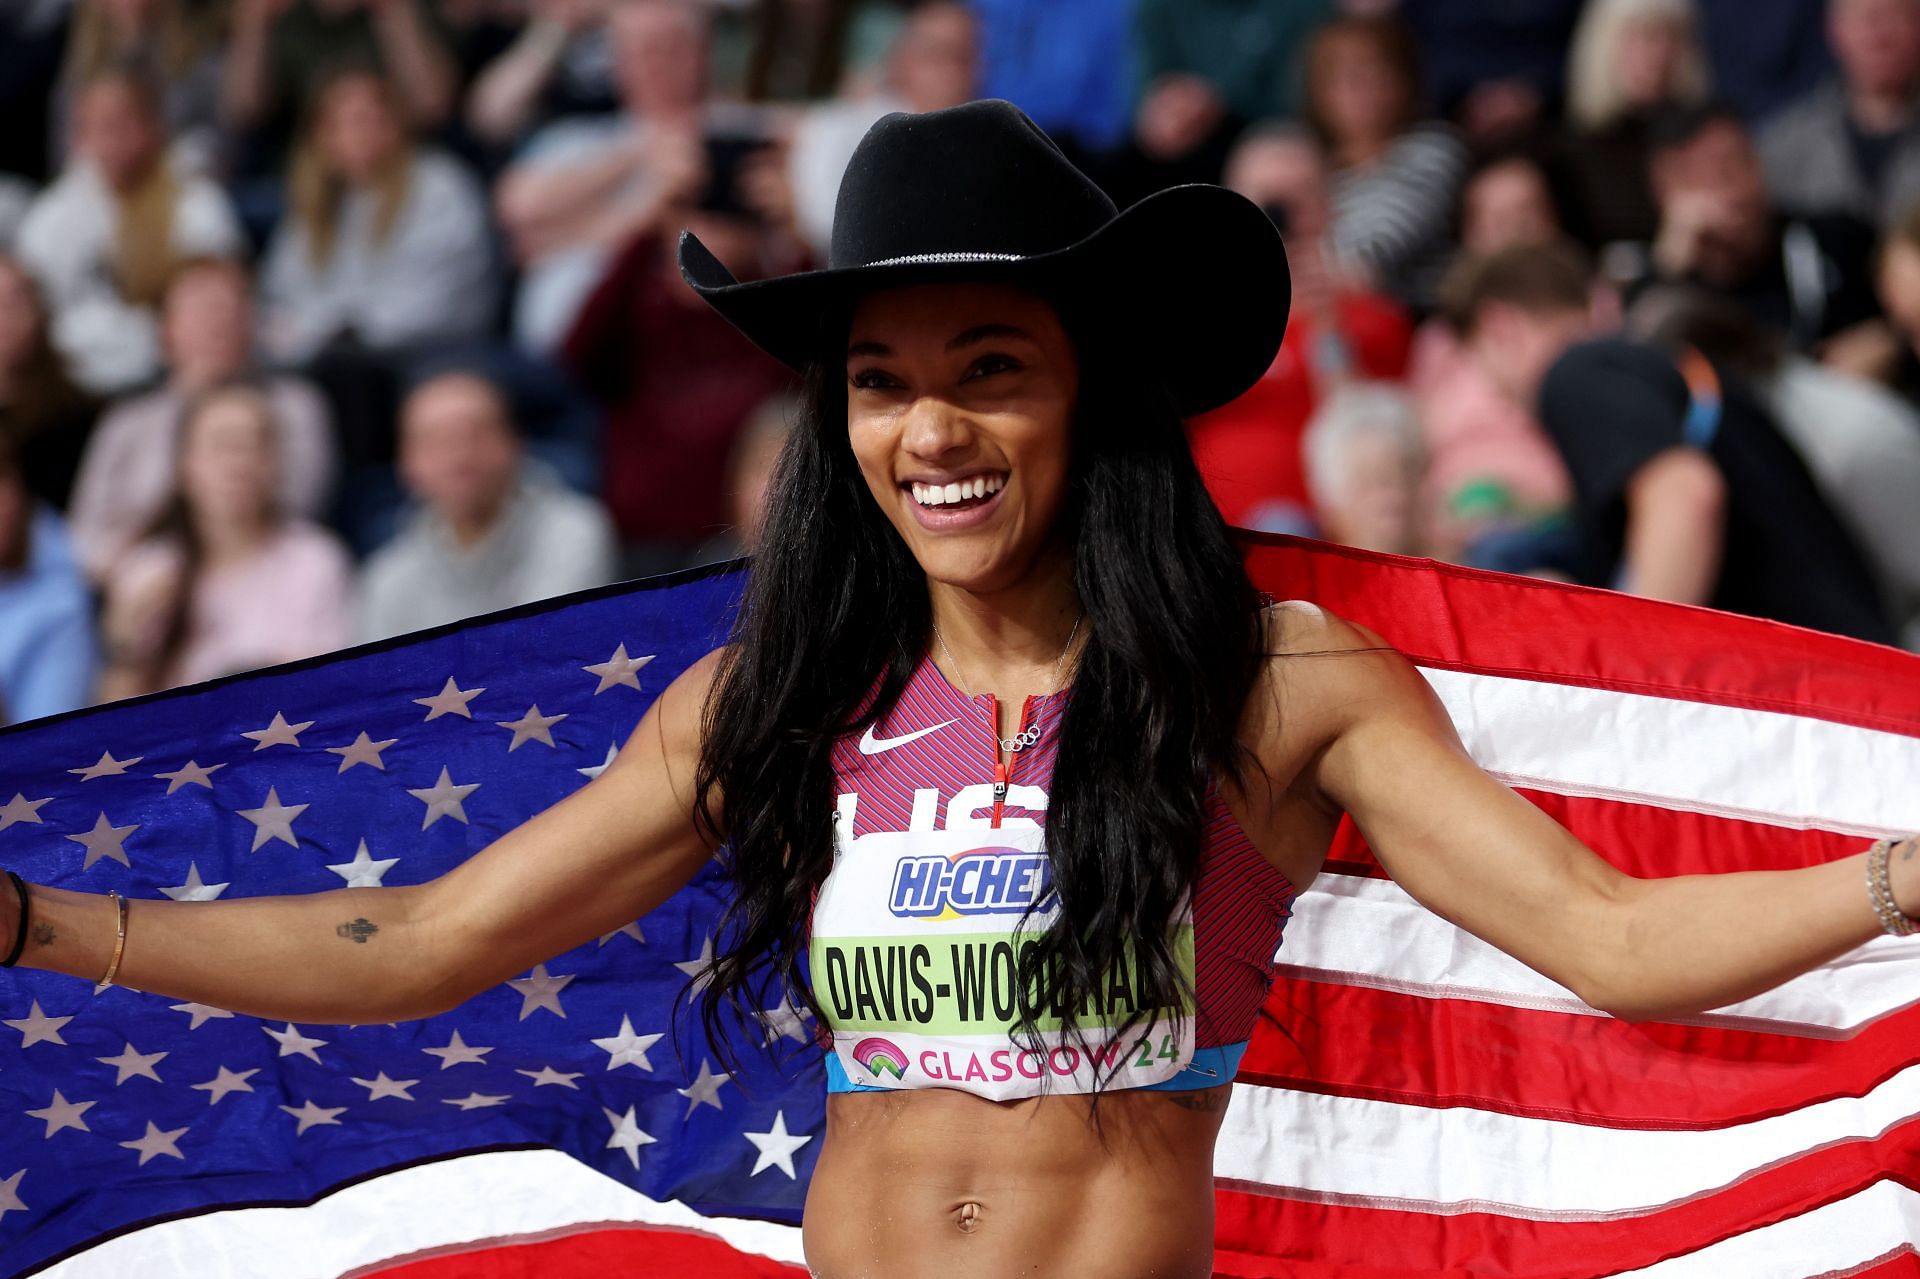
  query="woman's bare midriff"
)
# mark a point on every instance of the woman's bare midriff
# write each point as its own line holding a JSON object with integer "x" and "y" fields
{"x": 935, "y": 1183}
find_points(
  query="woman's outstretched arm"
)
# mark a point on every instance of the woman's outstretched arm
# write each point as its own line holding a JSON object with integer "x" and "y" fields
{"x": 1476, "y": 853}
{"x": 598, "y": 859}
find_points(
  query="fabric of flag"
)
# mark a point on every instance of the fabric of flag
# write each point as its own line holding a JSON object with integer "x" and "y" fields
{"x": 1420, "y": 1105}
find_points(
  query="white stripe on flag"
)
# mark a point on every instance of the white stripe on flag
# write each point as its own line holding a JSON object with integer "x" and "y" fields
{"x": 467, "y": 1199}
{"x": 1459, "y": 1159}
{"x": 1833, "y": 1237}
{"x": 1785, "y": 770}
{"x": 1370, "y": 932}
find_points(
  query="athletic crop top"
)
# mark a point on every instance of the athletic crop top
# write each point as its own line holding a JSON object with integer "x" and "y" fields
{"x": 913, "y": 942}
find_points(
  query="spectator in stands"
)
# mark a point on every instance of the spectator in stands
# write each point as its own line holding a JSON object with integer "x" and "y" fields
{"x": 560, "y": 65}
{"x": 584, "y": 188}
{"x": 1898, "y": 362}
{"x": 1630, "y": 60}
{"x": 104, "y": 238}
{"x": 1684, "y": 488}
{"x": 173, "y": 43}
{"x": 48, "y": 657}
{"x": 1508, "y": 198}
{"x": 281, "y": 52}
{"x": 1365, "y": 461}
{"x": 1853, "y": 145}
{"x": 1203, "y": 69}
{"x": 1807, "y": 277}
{"x": 226, "y": 581}
{"x": 491, "y": 528}
{"x": 1066, "y": 63}
{"x": 127, "y": 475}
{"x": 1340, "y": 328}
{"x": 1764, "y": 56}
{"x": 675, "y": 381}
{"x": 385, "y": 245}
{"x": 1496, "y": 68}
{"x": 45, "y": 415}
{"x": 1860, "y": 440}
{"x": 1496, "y": 490}
{"x": 934, "y": 64}
{"x": 1394, "y": 178}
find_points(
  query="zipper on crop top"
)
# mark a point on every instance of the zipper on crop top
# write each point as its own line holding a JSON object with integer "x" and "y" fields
{"x": 1003, "y": 768}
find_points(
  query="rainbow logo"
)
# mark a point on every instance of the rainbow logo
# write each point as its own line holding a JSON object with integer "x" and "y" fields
{"x": 880, "y": 1057}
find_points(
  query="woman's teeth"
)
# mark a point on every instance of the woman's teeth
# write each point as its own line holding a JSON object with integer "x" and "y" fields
{"x": 959, "y": 491}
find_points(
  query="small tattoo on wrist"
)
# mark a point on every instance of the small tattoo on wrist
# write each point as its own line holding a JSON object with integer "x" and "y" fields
{"x": 43, "y": 933}
{"x": 357, "y": 930}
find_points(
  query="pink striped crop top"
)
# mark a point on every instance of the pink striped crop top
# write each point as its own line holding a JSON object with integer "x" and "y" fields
{"x": 914, "y": 939}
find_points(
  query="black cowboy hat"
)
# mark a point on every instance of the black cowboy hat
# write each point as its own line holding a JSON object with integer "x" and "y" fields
{"x": 1194, "y": 277}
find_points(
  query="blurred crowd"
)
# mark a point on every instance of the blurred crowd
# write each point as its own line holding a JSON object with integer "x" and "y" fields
{"x": 328, "y": 320}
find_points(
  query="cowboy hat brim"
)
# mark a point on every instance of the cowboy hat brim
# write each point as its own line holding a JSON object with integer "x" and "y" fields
{"x": 1195, "y": 276}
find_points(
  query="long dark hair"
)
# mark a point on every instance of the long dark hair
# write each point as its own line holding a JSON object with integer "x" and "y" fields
{"x": 836, "y": 602}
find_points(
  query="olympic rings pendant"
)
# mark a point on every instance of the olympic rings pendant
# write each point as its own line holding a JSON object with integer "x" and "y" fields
{"x": 1021, "y": 740}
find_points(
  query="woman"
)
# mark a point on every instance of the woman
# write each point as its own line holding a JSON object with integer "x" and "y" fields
{"x": 224, "y": 581}
{"x": 1393, "y": 178}
{"x": 47, "y": 417}
{"x": 105, "y": 237}
{"x": 992, "y": 576}
{"x": 47, "y": 649}
{"x": 385, "y": 245}
{"x": 1630, "y": 59}
{"x": 175, "y": 42}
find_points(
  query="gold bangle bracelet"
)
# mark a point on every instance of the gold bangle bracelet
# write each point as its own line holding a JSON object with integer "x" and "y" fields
{"x": 119, "y": 941}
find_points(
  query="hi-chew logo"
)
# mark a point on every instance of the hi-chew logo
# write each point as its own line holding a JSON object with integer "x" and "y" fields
{"x": 979, "y": 881}
{"x": 879, "y": 1056}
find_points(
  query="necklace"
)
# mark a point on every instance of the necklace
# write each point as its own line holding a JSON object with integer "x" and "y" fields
{"x": 1031, "y": 734}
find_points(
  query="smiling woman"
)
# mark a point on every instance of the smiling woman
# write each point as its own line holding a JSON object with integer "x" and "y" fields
{"x": 1016, "y": 774}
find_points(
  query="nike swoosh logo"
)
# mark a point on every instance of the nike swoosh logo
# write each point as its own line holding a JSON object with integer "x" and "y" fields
{"x": 871, "y": 745}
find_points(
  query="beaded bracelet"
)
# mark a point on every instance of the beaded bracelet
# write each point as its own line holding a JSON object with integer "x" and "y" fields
{"x": 20, "y": 930}
{"x": 1880, "y": 890}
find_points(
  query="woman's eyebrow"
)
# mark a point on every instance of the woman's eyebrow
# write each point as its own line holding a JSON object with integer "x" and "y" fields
{"x": 878, "y": 349}
{"x": 986, "y": 332}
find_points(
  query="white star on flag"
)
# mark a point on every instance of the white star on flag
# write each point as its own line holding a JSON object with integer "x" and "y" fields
{"x": 10, "y": 1193}
{"x": 699, "y": 968}
{"x": 105, "y": 766}
{"x": 450, "y": 700}
{"x": 364, "y": 871}
{"x": 61, "y": 1113}
{"x": 627, "y": 1135}
{"x": 190, "y": 774}
{"x": 105, "y": 840}
{"x": 540, "y": 991}
{"x": 705, "y": 1088}
{"x": 362, "y": 750}
{"x": 380, "y": 1086}
{"x": 310, "y": 1115}
{"x": 278, "y": 733}
{"x": 273, "y": 820}
{"x": 293, "y": 1043}
{"x": 531, "y": 727}
{"x": 592, "y": 771}
{"x": 130, "y": 1062}
{"x": 228, "y": 1081}
{"x": 776, "y": 1147}
{"x": 457, "y": 1052}
{"x": 155, "y": 1142}
{"x": 444, "y": 799}
{"x": 785, "y": 1021}
{"x": 195, "y": 889}
{"x": 199, "y": 1012}
{"x": 618, "y": 669}
{"x": 22, "y": 809}
{"x": 548, "y": 1075}
{"x": 630, "y": 929}
{"x": 38, "y": 1028}
{"x": 476, "y": 1100}
{"x": 626, "y": 1048}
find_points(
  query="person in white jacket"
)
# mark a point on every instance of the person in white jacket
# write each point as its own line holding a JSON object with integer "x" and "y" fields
{"x": 103, "y": 239}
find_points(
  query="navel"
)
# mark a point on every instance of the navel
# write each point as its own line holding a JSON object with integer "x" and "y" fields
{"x": 967, "y": 1217}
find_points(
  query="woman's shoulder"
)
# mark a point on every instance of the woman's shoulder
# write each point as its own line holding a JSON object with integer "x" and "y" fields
{"x": 1322, "y": 672}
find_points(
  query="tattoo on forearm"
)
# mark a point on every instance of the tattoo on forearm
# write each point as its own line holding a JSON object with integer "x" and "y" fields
{"x": 1907, "y": 847}
{"x": 1206, "y": 1101}
{"x": 43, "y": 933}
{"x": 357, "y": 930}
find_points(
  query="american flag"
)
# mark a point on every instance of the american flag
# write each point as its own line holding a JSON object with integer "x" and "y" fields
{"x": 1430, "y": 1108}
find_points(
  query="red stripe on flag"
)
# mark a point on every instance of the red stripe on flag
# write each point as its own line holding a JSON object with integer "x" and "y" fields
{"x": 1463, "y": 619}
{"x": 1383, "y": 1045}
{"x": 1263, "y": 1236}
{"x": 589, "y": 1252}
